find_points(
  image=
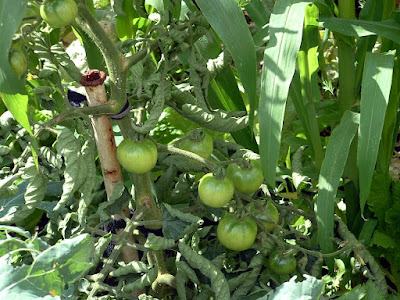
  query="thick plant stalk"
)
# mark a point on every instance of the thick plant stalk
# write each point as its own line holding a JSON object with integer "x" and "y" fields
{"x": 93, "y": 81}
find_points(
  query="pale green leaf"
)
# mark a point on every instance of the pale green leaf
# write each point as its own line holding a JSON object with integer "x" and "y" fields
{"x": 331, "y": 172}
{"x": 286, "y": 26}
{"x": 376, "y": 84}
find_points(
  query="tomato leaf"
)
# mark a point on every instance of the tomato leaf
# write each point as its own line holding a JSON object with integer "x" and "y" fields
{"x": 49, "y": 272}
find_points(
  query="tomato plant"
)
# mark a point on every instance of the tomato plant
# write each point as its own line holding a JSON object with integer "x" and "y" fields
{"x": 18, "y": 62}
{"x": 236, "y": 234}
{"x": 200, "y": 144}
{"x": 246, "y": 177}
{"x": 280, "y": 263}
{"x": 186, "y": 64}
{"x": 137, "y": 157}
{"x": 215, "y": 192}
{"x": 59, "y": 13}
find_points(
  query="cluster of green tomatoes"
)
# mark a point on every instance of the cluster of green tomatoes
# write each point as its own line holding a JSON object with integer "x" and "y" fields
{"x": 216, "y": 190}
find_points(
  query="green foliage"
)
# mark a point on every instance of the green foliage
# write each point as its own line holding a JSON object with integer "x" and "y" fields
{"x": 50, "y": 269}
{"x": 323, "y": 70}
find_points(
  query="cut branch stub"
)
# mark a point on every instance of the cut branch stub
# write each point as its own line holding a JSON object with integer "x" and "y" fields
{"x": 96, "y": 95}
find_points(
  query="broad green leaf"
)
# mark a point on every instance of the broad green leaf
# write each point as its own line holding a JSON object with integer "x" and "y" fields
{"x": 50, "y": 271}
{"x": 228, "y": 21}
{"x": 12, "y": 90}
{"x": 310, "y": 288}
{"x": 389, "y": 28}
{"x": 286, "y": 27}
{"x": 376, "y": 84}
{"x": 331, "y": 172}
{"x": 258, "y": 13}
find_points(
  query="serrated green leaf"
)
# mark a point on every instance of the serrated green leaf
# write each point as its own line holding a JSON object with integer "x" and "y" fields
{"x": 34, "y": 194}
{"x": 187, "y": 217}
{"x": 219, "y": 284}
{"x": 69, "y": 147}
{"x": 133, "y": 267}
{"x": 381, "y": 239}
{"x": 146, "y": 280}
{"x": 155, "y": 242}
{"x": 286, "y": 24}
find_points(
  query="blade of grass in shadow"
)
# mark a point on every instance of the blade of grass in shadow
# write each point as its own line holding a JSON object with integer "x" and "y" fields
{"x": 228, "y": 97}
{"x": 389, "y": 28}
{"x": 329, "y": 178}
{"x": 228, "y": 21}
{"x": 376, "y": 84}
{"x": 286, "y": 27}
{"x": 258, "y": 13}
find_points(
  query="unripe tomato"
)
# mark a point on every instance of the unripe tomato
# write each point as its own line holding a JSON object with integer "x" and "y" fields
{"x": 269, "y": 214}
{"x": 235, "y": 234}
{"x": 137, "y": 158}
{"x": 17, "y": 62}
{"x": 202, "y": 147}
{"x": 281, "y": 264}
{"x": 246, "y": 180}
{"x": 215, "y": 192}
{"x": 59, "y": 13}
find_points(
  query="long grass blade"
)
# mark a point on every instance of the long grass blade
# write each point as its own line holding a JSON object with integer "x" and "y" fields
{"x": 389, "y": 28}
{"x": 228, "y": 21}
{"x": 286, "y": 27}
{"x": 376, "y": 84}
{"x": 331, "y": 172}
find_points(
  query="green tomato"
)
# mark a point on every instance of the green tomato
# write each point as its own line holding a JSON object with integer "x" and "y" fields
{"x": 281, "y": 264}
{"x": 269, "y": 214}
{"x": 59, "y": 13}
{"x": 17, "y": 62}
{"x": 202, "y": 148}
{"x": 138, "y": 158}
{"x": 237, "y": 235}
{"x": 215, "y": 192}
{"x": 246, "y": 180}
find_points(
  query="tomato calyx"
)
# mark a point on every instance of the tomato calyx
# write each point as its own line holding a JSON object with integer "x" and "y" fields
{"x": 245, "y": 164}
{"x": 197, "y": 135}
